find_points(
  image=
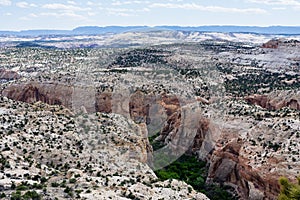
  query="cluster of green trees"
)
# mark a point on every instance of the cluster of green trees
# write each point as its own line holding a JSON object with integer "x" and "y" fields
{"x": 138, "y": 57}
{"x": 33, "y": 195}
{"x": 156, "y": 144}
{"x": 289, "y": 191}
{"x": 251, "y": 82}
{"x": 188, "y": 169}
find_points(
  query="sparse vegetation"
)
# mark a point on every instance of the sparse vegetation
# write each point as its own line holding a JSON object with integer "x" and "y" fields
{"x": 52, "y": 151}
{"x": 255, "y": 81}
{"x": 155, "y": 143}
{"x": 288, "y": 190}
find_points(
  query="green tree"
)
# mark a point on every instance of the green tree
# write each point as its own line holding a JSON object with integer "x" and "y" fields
{"x": 33, "y": 195}
{"x": 288, "y": 190}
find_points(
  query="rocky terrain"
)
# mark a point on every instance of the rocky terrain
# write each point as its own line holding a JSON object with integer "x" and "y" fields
{"x": 48, "y": 152}
{"x": 234, "y": 105}
{"x": 137, "y": 37}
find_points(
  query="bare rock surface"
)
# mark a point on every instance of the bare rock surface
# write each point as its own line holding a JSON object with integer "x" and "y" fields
{"x": 276, "y": 100}
{"x": 8, "y": 75}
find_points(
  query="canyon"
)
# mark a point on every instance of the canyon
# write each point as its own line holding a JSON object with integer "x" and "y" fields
{"x": 191, "y": 95}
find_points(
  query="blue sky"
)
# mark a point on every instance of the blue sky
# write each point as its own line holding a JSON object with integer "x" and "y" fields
{"x": 55, "y": 14}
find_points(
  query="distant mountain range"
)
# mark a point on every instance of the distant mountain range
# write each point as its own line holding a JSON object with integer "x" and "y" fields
{"x": 93, "y": 30}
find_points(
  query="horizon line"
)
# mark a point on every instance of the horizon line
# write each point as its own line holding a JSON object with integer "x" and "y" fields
{"x": 150, "y": 26}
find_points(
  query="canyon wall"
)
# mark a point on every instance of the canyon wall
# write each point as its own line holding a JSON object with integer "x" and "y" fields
{"x": 182, "y": 127}
{"x": 271, "y": 102}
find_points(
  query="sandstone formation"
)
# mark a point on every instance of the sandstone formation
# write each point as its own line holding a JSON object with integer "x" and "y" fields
{"x": 184, "y": 129}
{"x": 272, "y": 44}
{"x": 250, "y": 159}
{"x": 50, "y": 93}
{"x": 274, "y": 102}
{"x": 8, "y": 74}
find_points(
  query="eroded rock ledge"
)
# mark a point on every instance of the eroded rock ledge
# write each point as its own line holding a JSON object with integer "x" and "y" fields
{"x": 242, "y": 152}
{"x": 275, "y": 102}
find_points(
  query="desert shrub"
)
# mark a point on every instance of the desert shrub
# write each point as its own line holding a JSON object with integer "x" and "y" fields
{"x": 288, "y": 190}
{"x": 33, "y": 195}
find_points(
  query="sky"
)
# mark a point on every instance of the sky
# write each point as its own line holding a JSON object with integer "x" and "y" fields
{"x": 67, "y": 15}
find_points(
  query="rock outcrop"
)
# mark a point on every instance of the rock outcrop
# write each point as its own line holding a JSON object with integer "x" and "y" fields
{"x": 50, "y": 93}
{"x": 74, "y": 97}
{"x": 275, "y": 102}
{"x": 229, "y": 166}
{"x": 275, "y": 43}
{"x": 103, "y": 102}
{"x": 8, "y": 75}
{"x": 248, "y": 157}
{"x": 272, "y": 44}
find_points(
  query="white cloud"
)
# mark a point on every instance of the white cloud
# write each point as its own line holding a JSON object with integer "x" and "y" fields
{"x": 32, "y": 15}
{"x": 193, "y": 6}
{"x": 121, "y": 10}
{"x": 24, "y": 18}
{"x": 72, "y": 2}
{"x": 62, "y": 15}
{"x": 24, "y": 4}
{"x": 146, "y": 10}
{"x": 279, "y": 8}
{"x": 5, "y": 2}
{"x": 7, "y": 14}
{"x": 117, "y": 11}
{"x": 277, "y": 2}
{"x": 90, "y": 3}
{"x": 125, "y": 12}
{"x": 29, "y": 17}
{"x": 119, "y": 3}
{"x": 91, "y": 13}
{"x": 58, "y": 6}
